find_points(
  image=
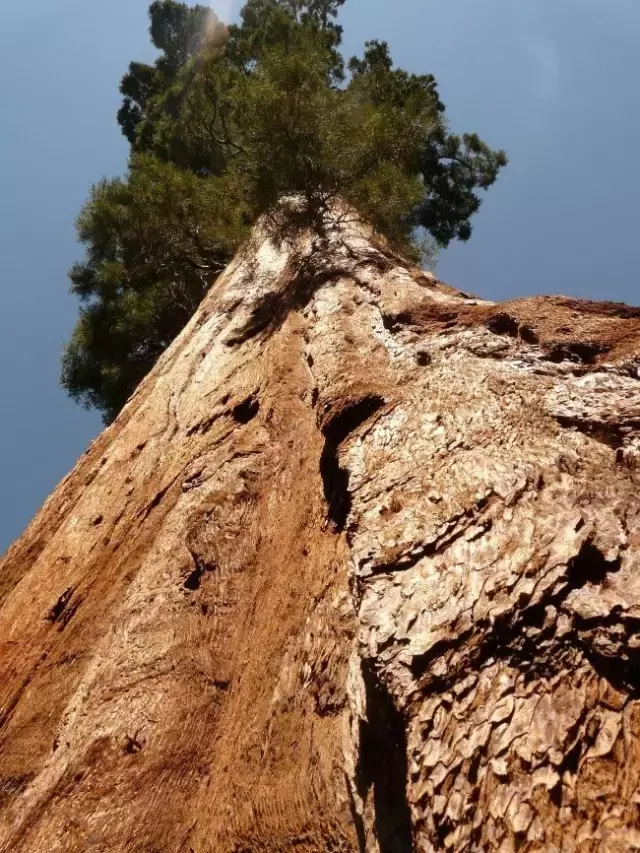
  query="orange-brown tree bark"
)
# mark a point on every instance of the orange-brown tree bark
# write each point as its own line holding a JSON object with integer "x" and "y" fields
{"x": 357, "y": 568}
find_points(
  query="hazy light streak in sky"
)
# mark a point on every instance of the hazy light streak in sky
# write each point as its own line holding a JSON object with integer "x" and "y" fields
{"x": 223, "y": 9}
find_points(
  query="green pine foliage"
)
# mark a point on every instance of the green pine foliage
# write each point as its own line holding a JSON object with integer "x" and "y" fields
{"x": 223, "y": 125}
{"x": 155, "y": 242}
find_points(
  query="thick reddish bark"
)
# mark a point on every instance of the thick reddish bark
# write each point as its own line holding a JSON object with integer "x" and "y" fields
{"x": 356, "y": 568}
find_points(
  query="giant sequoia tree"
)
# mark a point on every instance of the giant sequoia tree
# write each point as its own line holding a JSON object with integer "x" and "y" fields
{"x": 223, "y": 125}
{"x": 357, "y": 567}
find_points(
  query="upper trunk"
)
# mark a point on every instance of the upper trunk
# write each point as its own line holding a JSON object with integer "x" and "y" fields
{"x": 356, "y": 568}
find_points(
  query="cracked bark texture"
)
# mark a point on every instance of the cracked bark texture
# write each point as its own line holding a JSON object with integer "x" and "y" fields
{"x": 356, "y": 569}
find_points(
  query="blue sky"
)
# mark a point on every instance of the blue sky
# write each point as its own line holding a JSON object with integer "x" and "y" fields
{"x": 555, "y": 83}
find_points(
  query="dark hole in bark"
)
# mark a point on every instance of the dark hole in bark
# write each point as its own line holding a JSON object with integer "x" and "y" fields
{"x": 68, "y": 614}
{"x": 590, "y": 566}
{"x": 194, "y": 580}
{"x": 349, "y": 418}
{"x": 246, "y": 411}
{"x": 335, "y": 479}
{"x": 571, "y": 762}
{"x": 576, "y": 352}
{"x": 192, "y": 583}
{"x": 132, "y": 745}
{"x": 423, "y": 358}
{"x": 503, "y": 324}
{"x": 528, "y": 335}
{"x": 555, "y": 795}
{"x": 383, "y": 767}
{"x": 394, "y": 322}
{"x": 474, "y": 767}
{"x": 59, "y": 607}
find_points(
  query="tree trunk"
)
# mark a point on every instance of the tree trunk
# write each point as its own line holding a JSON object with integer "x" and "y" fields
{"x": 356, "y": 569}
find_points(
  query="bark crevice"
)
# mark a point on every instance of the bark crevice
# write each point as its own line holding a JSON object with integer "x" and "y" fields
{"x": 337, "y": 427}
{"x": 382, "y": 771}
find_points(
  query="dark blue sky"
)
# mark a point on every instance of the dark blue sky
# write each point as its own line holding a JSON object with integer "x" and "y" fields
{"x": 555, "y": 83}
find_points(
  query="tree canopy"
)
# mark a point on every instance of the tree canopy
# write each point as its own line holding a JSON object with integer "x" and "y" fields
{"x": 223, "y": 124}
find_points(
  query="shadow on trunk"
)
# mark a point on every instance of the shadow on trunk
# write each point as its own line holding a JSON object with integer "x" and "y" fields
{"x": 383, "y": 767}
